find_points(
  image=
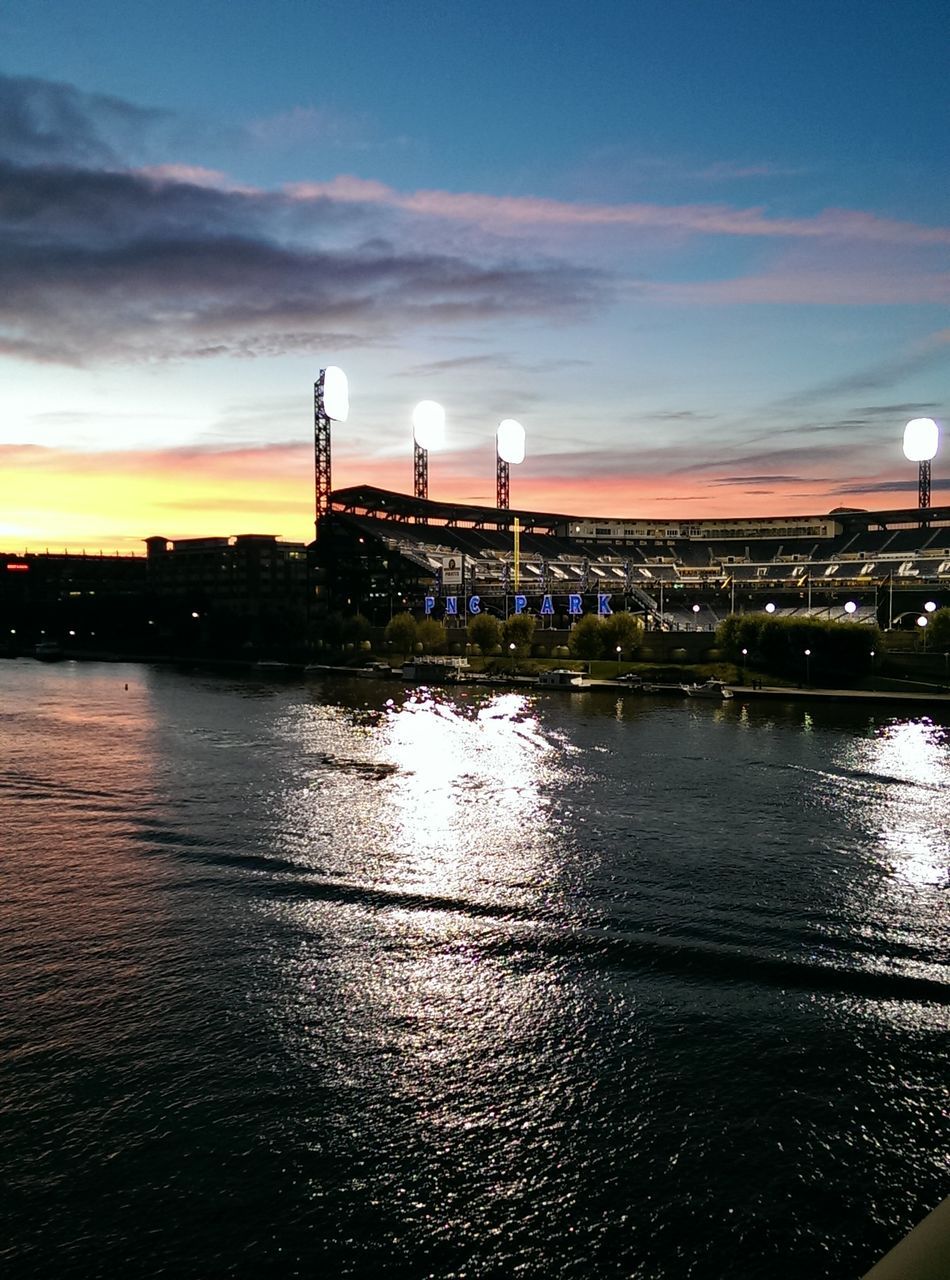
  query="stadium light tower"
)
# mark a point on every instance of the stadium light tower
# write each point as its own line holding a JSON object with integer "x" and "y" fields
{"x": 331, "y": 403}
{"x": 428, "y": 432}
{"x": 509, "y": 448}
{"x": 920, "y": 445}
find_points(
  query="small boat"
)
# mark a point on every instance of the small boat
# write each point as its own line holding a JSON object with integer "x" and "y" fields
{"x": 711, "y": 689}
{"x": 48, "y": 651}
{"x": 374, "y": 670}
{"x": 561, "y": 678}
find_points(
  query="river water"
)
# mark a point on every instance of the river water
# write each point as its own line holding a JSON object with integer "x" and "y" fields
{"x": 348, "y": 979}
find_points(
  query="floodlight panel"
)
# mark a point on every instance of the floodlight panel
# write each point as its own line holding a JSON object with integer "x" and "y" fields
{"x": 510, "y": 437}
{"x": 336, "y": 394}
{"x": 920, "y": 439}
{"x": 428, "y": 425}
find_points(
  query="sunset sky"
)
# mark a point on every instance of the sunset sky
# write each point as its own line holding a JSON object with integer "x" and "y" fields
{"x": 700, "y": 248}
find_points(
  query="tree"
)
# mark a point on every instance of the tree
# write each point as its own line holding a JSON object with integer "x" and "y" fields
{"x": 485, "y": 631}
{"x": 587, "y": 637}
{"x": 431, "y": 635}
{"x": 938, "y": 630}
{"x": 401, "y": 632}
{"x": 519, "y": 631}
{"x": 622, "y": 629}
{"x": 356, "y": 628}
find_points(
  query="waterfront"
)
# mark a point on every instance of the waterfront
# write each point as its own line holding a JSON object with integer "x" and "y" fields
{"x": 347, "y": 979}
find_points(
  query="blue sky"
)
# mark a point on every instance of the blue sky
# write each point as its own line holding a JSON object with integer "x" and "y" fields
{"x": 699, "y": 249}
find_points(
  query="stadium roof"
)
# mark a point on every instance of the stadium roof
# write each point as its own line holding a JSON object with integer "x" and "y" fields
{"x": 369, "y": 500}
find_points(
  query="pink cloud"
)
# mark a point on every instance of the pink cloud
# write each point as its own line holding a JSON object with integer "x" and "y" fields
{"x": 827, "y": 288}
{"x": 500, "y": 212}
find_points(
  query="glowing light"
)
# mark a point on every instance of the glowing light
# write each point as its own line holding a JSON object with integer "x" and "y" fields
{"x": 922, "y": 620}
{"x": 770, "y": 607}
{"x": 851, "y": 607}
{"x": 428, "y": 424}
{"x": 510, "y": 439}
{"x": 920, "y": 439}
{"x": 930, "y": 606}
{"x": 696, "y": 608}
{"x": 336, "y": 394}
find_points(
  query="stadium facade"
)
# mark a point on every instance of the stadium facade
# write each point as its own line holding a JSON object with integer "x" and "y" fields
{"x": 379, "y": 551}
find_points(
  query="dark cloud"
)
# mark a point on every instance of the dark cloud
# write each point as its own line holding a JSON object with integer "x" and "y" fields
{"x": 887, "y": 486}
{"x": 99, "y": 263}
{"x": 48, "y": 123}
{"x": 934, "y": 350}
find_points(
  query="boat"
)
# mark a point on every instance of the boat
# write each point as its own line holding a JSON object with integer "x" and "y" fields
{"x": 711, "y": 689}
{"x": 561, "y": 678}
{"x": 48, "y": 651}
{"x": 432, "y": 670}
{"x": 374, "y": 670}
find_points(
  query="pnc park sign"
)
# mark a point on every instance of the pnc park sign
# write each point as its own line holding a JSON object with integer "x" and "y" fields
{"x": 473, "y": 605}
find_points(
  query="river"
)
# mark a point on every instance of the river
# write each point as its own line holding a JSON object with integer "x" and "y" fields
{"x": 349, "y": 979}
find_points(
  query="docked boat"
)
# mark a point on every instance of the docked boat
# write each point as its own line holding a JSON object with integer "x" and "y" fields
{"x": 561, "y": 678}
{"x": 374, "y": 670}
{"x": 48, "y": 651}
{"x": 710, "y": 689}
{"x": 432, "y": 670}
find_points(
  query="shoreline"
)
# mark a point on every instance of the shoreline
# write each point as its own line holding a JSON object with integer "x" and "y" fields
{"x": 301, "y": 671}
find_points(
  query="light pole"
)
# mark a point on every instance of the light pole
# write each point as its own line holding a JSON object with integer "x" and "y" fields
{"x": 850, "y": 609}
{"x": 619, "y": 652}
{"x": 428, "y": 432}
{"x": 511, "y": 650}
{"x": 921, "y": 437}
{"x": 509, "y": 449}
{"x": 331, "y": 403}
{"x": 922, "y": 622}
{"x": 808, "y": 666}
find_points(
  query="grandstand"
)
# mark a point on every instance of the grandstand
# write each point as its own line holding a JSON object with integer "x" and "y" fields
{"x": 383, "y": 551}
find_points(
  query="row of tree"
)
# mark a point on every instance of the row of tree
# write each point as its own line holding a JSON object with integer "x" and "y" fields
{"x": 591, "y": 638}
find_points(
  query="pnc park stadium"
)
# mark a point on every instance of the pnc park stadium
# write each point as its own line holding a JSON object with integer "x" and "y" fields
{"x": 383, "y": 551}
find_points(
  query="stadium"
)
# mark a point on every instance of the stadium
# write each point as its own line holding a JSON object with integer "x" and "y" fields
{"x": 378, "y": 551}
{"x": 383, "y": 551}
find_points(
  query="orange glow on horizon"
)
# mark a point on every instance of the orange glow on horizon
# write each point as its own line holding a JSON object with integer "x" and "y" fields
{"x": 113, "y": 501}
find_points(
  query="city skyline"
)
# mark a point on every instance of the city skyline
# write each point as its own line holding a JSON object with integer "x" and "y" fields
{"x": 701, "y": 256}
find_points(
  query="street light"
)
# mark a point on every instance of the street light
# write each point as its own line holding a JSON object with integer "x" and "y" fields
{"x": 770, "y": 607}
{"x": 930, "y": 606}
{"x": 511, "y": 650}
{"x": 331, "y": 403}
{"x": 921, "y": 437}
{"x": 428, "y": 432}
{"x": 619, "y": 652}
{"x": 509, "y": 450}
{"x": 850, "y": 608}
{"x": 808, "y": 666}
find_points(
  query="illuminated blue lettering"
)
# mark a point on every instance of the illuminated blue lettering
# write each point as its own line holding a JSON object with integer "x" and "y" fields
{"x": 547, "y": 608}
{"x": 521, "y": 603}
{"x": 603, "y": 605}
{"x": 451, "y": 606}
{"x": 475, "y": 604}
{"x": 574, "y": 606}
{"x": 430, "y": 604}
